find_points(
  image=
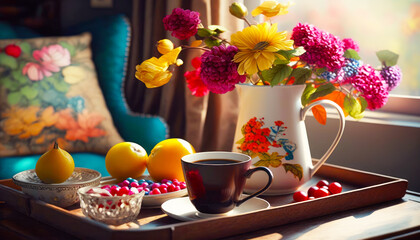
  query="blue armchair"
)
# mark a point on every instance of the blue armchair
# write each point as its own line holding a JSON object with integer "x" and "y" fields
{"x": 110, "y": 47}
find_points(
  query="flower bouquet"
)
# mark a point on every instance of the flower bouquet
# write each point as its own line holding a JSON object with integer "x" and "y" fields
{"x": 260, "y": 54}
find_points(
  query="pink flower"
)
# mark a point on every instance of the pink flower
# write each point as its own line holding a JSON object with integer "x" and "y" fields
{"x": 350, "y": 43}
{"x": 218, "y": 71}
{"x": 323, "y": 49}
{"x": 371, "y": 85}
{"x": 35, "y": 71}
{"x": 194, "y": 82}
{"x": 182, "y": 23}
{"x": 52, "y": 57}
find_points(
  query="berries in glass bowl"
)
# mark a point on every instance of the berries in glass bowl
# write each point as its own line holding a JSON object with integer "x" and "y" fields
{"x": 114, "y": 208}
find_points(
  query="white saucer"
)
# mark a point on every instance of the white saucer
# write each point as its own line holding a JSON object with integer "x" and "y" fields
{"x": 182, "y": 209}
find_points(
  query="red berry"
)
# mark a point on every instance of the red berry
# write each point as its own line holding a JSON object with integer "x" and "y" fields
{"x": 311, "y": 190}
{"x": 321, "y": 192}
{"x": 335, "y": 188}
{"x": 171, "y": 188}
{"x": 163, "y": 190}
{"x": 123, "y": 190}
{"x": 114, "y": 190}
{"x": 177, "y": 188}
{"x": 134, "y": 184}
{"x": 300, "y": 196}
{"x": 322, "y": 183}
{"x": 155, "y": 191}
{"x": 183, "y": 185}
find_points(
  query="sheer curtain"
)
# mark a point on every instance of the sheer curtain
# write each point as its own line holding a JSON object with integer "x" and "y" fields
{"x": 209, "y": 122}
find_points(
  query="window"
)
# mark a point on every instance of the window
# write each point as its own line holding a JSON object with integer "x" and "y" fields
{"x": 375, "y": 25}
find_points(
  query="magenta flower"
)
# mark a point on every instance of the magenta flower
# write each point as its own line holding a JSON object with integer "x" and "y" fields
{"x": 392, "y": 76}
{"x": 323, "y": 49}
{"x": 182, "y": 23}
{"x": 350, "y": 43}
{"x": 218, "y": 71}
{"x": 371, "y": 85}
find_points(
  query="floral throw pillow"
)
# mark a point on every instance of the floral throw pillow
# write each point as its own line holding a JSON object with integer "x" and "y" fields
{"x": 49, "y": 92}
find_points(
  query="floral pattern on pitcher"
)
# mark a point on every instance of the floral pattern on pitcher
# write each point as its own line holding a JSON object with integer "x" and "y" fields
{"x": 257, "y": 141}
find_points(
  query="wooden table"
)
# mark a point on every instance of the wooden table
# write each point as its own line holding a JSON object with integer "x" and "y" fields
{"x": 371, "y": 206}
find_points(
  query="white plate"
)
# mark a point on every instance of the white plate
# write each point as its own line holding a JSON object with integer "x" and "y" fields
{"x": 182, "y": 209}
{"x": 154, "y": 201}
{"x": 150, "y": 201}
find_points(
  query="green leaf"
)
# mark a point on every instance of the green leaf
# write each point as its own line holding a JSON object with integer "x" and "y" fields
{"x": 25, "y": 47}
{"x": 29, "y": 92}
{"x": 292, "y": 53}
{"x": 240, "y": 141}
{"x": 353, "y": 107}
{"x": 295, "y": 169}
{"x": 322, "y": 90}
{"x": 217, "y": 28}
{"x": 276, "y": 74}
{"x": 13, "y": 98}
{"x": 17, "y": 75}
{"x": 301, "y": 75}
{"x": 61, "y": 86}
{"x": 8, "y": 61}
{"x": 45, "y": 85}
{"x": 363, "y": 102}
{"x": 212, "y": 42}
{"x": 262, "y": 163}
{"x": 319, "y": 71}
{"x": 68, "y": 46}
{"x": 307, "y": 93}
{"x": 279, "y": 61}
{"x": 351, "y": 53}
{"x": 204, "y": 32}
{"x": 10, "y": 84}
{"x": 35, "y": 102}
{"x": 387, "y": 57}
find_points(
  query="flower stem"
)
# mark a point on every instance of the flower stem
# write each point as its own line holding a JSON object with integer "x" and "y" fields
{"x": 199, "y": 48}
{"x": 246, "y": 20}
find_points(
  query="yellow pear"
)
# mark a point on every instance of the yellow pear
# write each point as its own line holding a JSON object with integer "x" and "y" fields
{"x": 54, "y": 166}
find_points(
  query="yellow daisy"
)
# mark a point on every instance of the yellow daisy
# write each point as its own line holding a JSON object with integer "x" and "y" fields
{"x": 271, "y": 9}
{"x": 257, "y": 46}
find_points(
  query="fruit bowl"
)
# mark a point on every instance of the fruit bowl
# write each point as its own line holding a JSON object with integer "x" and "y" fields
{"x": 114, "y": 210}
{"x": 60, "y": 194}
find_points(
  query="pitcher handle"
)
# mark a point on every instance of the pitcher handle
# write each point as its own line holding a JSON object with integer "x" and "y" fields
{"x": 337, "y": 138}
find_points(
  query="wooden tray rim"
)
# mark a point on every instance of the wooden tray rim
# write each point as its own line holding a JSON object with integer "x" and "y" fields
{"x": 174, "y": 228}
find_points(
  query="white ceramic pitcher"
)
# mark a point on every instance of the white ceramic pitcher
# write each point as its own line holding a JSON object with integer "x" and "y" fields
{"x": 272, "y": 131}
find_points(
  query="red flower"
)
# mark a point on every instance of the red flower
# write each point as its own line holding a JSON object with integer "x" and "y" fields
{"x": 278, "y": 123}
{"x": 13, "y": 50}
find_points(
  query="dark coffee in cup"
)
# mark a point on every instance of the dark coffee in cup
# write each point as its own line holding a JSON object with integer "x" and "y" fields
{"x": 215, "y": 180}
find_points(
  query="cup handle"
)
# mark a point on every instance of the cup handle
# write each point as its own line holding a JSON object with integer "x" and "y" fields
{"x": 248, "y": 174}
{"x": 337, "y": 137}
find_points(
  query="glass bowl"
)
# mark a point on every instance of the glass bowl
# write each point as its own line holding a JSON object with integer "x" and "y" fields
{"x": 60, "y": 194}
{"x": 114, "y": 210}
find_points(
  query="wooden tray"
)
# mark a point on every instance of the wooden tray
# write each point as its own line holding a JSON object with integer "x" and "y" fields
{"x": 359, "y": 189}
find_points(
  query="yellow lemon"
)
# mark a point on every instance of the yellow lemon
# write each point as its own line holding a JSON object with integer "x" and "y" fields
{"x": 54, "y": 166}
{"x": 165, "y": 159}
{"x": 126, "y": 159}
